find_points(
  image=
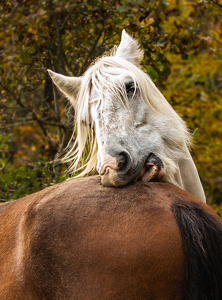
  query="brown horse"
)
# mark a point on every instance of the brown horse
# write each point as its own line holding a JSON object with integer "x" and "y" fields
{"x": 81, "y": 240}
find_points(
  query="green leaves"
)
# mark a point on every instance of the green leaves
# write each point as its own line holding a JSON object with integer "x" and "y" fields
{"x": 153, "y": 74}
{"x": 182, "y": 45}
{"x": 17, "y": 181}
{"x": 92, "y": 3}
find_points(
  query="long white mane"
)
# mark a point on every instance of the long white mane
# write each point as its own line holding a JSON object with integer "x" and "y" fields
{"x": 107, "y": 73}
{"x": 101, "y": 96}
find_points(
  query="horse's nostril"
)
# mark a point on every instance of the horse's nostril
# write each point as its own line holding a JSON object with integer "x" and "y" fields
{"x": 121, "y": 163}
{"x": 122, "y": 160}
{"x": 102, "y": 172}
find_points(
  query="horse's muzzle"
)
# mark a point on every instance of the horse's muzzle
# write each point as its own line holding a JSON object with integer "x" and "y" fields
{"x": 151, "y": 170}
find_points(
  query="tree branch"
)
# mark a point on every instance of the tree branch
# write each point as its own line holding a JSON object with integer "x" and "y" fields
{"x": 35, "y": 117}
{"x": 16, "y": 124}
{"x": 67, "y": 18}
{"x": 213, "y": 38}
{"x": 216, "y": 3}
{"x": 57, "y": 111}
{"x": 57, "y": 124}
{"x": 91, "y": 51}
{"x": 11, "y": 93}
{"x": 61, "y": 54}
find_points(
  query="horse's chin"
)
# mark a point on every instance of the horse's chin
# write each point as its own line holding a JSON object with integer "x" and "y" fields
{"x": 111, "y": 178}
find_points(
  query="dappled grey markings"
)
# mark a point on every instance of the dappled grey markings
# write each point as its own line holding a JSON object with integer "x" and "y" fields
{"x": 125, "y": 119}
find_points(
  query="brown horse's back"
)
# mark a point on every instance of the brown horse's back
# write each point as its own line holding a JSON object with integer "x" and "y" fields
{"x": 80, "y": 240}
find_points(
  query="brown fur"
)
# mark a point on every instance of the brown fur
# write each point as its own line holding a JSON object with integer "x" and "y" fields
{"x": 81, "y": 240}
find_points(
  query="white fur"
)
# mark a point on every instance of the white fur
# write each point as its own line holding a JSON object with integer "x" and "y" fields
{"x": 102, "y": 87}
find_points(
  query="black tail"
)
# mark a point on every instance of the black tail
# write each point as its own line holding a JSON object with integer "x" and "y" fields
{"x": 202, "y": 237}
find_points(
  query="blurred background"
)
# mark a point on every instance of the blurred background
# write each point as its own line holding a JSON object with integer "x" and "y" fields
{"x": 182, "y": 41}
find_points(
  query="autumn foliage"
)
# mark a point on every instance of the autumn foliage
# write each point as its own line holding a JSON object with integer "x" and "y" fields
{"x": 182, "y": 41}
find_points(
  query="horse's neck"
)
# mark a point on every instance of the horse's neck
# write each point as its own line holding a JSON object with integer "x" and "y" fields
{"x": 187, "y": 177}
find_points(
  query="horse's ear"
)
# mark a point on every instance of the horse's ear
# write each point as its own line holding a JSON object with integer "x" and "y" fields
{"x": 129, "y": 49}
{"x": 69, "y": 86}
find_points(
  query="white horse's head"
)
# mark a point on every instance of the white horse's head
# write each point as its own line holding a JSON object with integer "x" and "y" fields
{"x": 133, "y": 131}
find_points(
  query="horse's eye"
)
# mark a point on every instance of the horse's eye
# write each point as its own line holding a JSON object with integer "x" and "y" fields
{"x": 130, "y": 88}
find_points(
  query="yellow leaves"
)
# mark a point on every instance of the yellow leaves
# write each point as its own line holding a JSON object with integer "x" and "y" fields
{"x": 31, "y": 30}
{"x": 33, "y": 148}
{"x": 194, "y": 89}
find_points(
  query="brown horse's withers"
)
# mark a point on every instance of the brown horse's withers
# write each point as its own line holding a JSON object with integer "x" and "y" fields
{"x": 81, "y": 240}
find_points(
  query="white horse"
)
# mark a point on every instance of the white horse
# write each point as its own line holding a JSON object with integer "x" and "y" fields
{"x": 132, "y": 130}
